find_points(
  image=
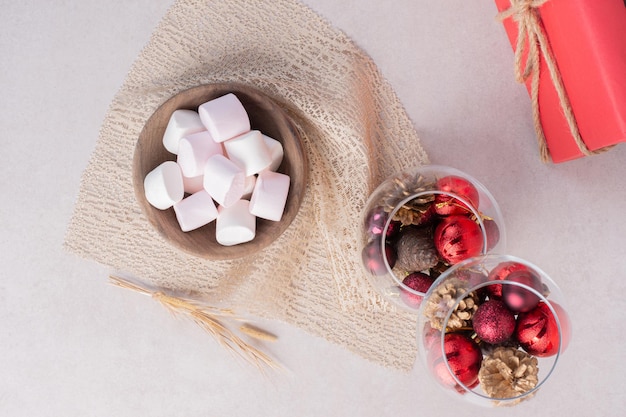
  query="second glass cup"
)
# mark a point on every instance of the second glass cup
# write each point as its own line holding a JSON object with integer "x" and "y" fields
{"x": 419, "y": 223}
{"x": 491, "y": 330}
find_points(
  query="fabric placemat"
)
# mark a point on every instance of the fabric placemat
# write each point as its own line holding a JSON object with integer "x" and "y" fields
{"x": 355, "y": 132}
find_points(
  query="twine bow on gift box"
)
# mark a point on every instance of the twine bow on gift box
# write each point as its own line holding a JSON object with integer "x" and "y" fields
{"x": 530, "y": 31}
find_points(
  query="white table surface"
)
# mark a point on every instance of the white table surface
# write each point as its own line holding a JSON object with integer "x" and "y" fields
{"x": 73, "y": 345}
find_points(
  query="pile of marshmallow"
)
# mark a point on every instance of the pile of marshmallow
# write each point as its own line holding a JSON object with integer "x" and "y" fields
{"x": 224, "y": 171}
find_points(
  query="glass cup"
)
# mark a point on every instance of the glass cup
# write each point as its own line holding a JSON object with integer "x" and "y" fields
{"x": 491, "y": 329}
{"x": 424, "y": 220}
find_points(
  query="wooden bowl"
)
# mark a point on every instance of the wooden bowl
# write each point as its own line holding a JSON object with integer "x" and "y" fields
{"x": 265, "y": 115}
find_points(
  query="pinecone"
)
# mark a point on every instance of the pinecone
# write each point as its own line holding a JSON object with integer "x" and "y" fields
{"x": 409, "y": 216}
{"x": 508, "y": 373}
{"x": 416, "y": 250}
{"x": 443, "y": 299}
{"x": 405, "y": 186}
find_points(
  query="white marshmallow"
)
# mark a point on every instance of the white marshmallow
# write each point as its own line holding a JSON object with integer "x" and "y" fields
{"x": 164, "y": 185}
{"x": 224, "y": 117}
{"x": 194, "y": 184}
{"x": 181, "y": 124}
{"x": 195, "y": 211}
{"x": 270, "y": 195}
{"x": 223, "y": 180}
{"x": 276, "y": 152}
{"x": 248, "y": 187}
{"x": 235, "y": 224}
{"x": 193, "y": 152}
{"x": 249, "y": 151}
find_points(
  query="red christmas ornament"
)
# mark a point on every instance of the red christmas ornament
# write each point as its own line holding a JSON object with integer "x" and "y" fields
{"x": 427, "y": 217}
{"x": 500, "y": 272}
{"x": 372, "y": 257}
{"x": 493, "y": 233}
{"x": 458, "y": 238}
{"x": 473, "y": 278}
{"x": 564, "y": 322}
{"x": 519, "y": 299}
{"x": 376, "y": 224}
{"x": 493, "y": 322}
{"x": 446, "y": 205}
{"x": 472, "y": 386}
{"x": 537, "y": 331}
{"x": 464, "y": 358}
{"x": 393, "y": 229}
{"x": 432, "y": 336}
{"x": 416, "y": 281}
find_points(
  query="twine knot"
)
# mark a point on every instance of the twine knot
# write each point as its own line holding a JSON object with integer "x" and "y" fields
{"x": 523, "y": 7}
{"x": 530, "y": 32}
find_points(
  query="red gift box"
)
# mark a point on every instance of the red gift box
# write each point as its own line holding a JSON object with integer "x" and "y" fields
{"x": 588, "y": 43}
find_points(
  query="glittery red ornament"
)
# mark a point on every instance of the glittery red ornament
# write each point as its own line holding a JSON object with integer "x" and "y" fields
{"x": 446, "y": 205}
{"x": 457, "y": 238}
{"x": 493, "y": 322}
{"x": 519, "y": 299}
{"x": 372, "y": 257}
{"x": 464, "y": 358}
{"x": 416, "y": 281}
{"x": 500, "y": 272}
{"x": 537, "y": 331}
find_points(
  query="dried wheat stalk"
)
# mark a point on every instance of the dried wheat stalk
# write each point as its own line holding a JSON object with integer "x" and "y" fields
{"x": 210, "y": 319}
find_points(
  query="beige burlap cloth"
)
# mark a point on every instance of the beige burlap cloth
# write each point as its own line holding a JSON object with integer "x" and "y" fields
{"x": 356, "y": 133}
